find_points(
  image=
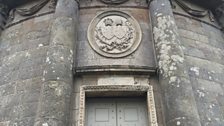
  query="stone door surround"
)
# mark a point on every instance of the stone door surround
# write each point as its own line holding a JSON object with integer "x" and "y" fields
{"x": 115, "y": 91}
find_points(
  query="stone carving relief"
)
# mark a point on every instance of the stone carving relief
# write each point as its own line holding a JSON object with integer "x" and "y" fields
{"x": 29, "y": 11}
{"x": 112, "y": 90}
{"x": 193, "y": 12}
{"x": 114, "y": 34}
{"x": 113, "y": 1}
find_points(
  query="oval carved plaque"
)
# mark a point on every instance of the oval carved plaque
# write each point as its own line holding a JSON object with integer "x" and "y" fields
{"x": 114, "y": 34}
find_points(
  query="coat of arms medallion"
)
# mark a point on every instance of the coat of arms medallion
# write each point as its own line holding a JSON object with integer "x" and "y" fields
{"x": 114, "y": 34}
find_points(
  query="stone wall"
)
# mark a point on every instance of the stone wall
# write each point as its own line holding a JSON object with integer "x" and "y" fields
{"x": 142, "y": 57}
{"x": 203, "y": 46}
{"x": 36, "y": 68}
{"x": 23, "y": 50}
{"x": 89, "y": 63}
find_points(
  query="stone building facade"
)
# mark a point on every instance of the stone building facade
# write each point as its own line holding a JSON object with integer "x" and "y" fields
{"x": 111, "y": 63}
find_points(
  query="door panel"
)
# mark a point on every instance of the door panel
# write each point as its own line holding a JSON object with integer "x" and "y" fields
{"x": 132, "y": 113}
{"x": 101, "y": 112}
{"x": 116, "y": 112}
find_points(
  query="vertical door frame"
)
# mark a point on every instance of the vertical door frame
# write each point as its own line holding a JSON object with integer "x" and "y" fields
{"x": 118, "y": 90}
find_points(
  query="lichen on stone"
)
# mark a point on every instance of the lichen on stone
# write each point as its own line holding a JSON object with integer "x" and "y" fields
{"x": 173, "y": 79}
{"x": 195, "y": 70}
{"x": 45, "y": 124}
{"x": 167, "y": 45}
{"x": 200, "y": 93}
{"x": 57, "y": 88}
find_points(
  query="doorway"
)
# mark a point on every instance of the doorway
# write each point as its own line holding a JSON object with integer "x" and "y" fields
{"x": 116, "y": 112}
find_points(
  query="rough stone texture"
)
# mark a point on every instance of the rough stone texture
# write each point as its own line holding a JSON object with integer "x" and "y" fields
{"x": 54, "y": 105}
{"x": 99, "y": 3}
{"x": 143, "y": 56}
{"x": 180, "y": 107}
{"x": 203, "y": 48}
{"x": 220, "y": 14}
{"x": 3, "y": 15}
{"x": 36, "y": 62}
{"x": 23, "y": 49}
{"x": 209, "y": 17}
{"x": 15, "y": 17}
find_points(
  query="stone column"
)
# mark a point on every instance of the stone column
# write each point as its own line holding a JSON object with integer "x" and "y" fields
{"x": 54, "y": 104}
{"x": 3, "y": 15}
{"x": 178, "y": 97}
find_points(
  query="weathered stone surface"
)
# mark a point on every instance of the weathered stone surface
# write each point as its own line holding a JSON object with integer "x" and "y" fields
{"x": 22, "y": 60}
{"x": 3, "y": 16}
{"x": 143, "y": 56}
{"x": 116, "y": 80}
{"x": 56, "y": 90}
{"x": 37, "y": 55}
{"x": 130, "y": 3}
{"x": 55, "y": 101}
{"x": 204, "y": 59}
{"x": 180, "y": 107}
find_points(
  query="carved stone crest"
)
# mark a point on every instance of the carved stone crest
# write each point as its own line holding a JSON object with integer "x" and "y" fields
{"x": 114, "y": 34}
{"x": 113, "y": 1}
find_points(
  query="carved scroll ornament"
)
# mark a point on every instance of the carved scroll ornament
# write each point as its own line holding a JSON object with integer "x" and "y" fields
{"x": 114, "y": 34}
{"x": 32, "y": 10}
{"x": 194, "y": 12}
